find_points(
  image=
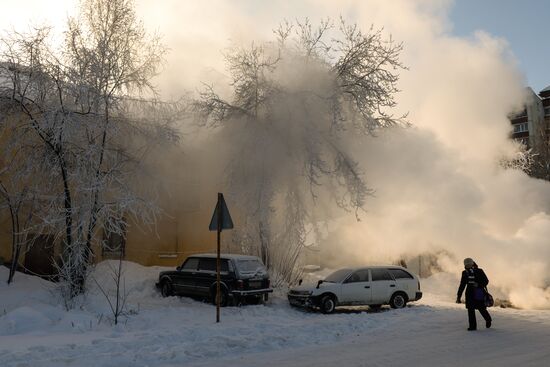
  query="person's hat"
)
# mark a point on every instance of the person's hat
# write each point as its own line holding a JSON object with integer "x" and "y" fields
{"x": 468, "y": 262}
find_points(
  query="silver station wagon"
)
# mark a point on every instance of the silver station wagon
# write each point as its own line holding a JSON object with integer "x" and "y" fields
{"x": 373, "y": 286}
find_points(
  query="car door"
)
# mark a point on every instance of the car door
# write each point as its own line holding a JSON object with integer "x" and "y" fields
{"x": 356, "y": 289}
{"x": 184, "y": 278}
{"x": 206, "y": 275}
{"x": 382, "y": 284}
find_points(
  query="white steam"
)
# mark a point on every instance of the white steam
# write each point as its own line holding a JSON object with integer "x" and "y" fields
{"x": 438, "y": 185}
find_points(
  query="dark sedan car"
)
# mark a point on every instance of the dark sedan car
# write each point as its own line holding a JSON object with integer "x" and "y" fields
{"x": 243, "y": 279}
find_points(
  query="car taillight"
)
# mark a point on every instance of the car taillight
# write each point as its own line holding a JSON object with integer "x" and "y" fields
{"x": 419, "y": 285}
{"x": 240, "y": 284}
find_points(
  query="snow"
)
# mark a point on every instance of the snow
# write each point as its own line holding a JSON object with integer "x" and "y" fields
{"x": 35, "y": 330}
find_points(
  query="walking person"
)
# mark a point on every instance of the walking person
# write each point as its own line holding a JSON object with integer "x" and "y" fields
{"x": 475, "y": 281}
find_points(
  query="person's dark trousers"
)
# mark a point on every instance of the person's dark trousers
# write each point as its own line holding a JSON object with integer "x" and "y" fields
{"x": 472, "y": 316}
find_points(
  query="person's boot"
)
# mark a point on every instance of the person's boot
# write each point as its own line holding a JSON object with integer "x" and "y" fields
{"x": 472, "y": 328}
{"x": 488, "y": 324}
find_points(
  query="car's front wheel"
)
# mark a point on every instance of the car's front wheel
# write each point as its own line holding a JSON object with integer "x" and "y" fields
{"x": 398, "y": 300}
{"x": 166, "y": 289}
{"x": 327, "y": 304}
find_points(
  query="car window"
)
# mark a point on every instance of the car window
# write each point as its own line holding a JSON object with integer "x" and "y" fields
{"x": 250, "y": 265}
{"x": 400, "y": 274}
{"x": 191, "y": 264}
{"x": 224, "y": 267}
{"x": 359, "y": 276}
{"x": 380, "y": 274}
{"x": 338, "y": 276}
{"x": 209, "y": 264}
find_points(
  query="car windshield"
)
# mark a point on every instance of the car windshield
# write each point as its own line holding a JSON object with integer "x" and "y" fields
{"x": 250, "y": 266}
{"x": 338, "y": 276}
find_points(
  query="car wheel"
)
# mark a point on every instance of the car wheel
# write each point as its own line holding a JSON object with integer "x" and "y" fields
{"x": 166, "y": 289}
{"x": 398, "y": 300}
{"x": 224, "y": 297}
{"x": 327, "y": 304}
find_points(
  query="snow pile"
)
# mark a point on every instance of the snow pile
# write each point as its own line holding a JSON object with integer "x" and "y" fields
{"x": 32, "y": 305}
{"x": 29, "y": 290}
{"x": 36, "y": 331}
{"x": 137, "y": 285}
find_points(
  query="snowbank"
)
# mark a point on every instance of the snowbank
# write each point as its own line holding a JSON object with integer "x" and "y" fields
{"x": 35, "y": 330}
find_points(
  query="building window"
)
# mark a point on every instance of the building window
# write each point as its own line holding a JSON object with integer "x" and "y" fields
{"x": 547, "y": 111}
{"x": 114, "y": 243}
{"x": 520, "y": 128}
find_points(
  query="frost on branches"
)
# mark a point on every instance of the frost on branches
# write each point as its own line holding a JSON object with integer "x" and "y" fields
{"x": 90, "y": 113}
{"x": 293, "y": 103}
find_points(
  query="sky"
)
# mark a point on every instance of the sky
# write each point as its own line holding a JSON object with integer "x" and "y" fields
{"x": 520, "y": 23}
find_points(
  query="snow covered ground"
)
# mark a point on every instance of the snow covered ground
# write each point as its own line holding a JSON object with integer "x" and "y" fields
{"x": 35, "y": 331}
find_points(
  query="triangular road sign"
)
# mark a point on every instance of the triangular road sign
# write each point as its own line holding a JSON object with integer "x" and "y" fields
{"x": 226, "y": 221}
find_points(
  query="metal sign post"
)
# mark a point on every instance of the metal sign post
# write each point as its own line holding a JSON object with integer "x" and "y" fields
{"x": 221, "y": 219}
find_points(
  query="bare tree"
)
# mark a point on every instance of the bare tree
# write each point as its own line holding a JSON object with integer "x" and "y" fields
{"x": 93, "y": 107}
{"x": 110, "y": 56}
{"x": 293, "y": 104}
{"x": 27, "y": 156}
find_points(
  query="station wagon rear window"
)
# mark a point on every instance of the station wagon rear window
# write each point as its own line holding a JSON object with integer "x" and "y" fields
{"x": 400, "y": 274}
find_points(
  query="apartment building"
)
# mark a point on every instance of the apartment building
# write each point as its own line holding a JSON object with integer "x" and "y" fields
{"x": 531, "y": 127}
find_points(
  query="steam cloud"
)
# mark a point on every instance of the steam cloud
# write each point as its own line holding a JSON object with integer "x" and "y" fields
{"x": 438, "y": 184}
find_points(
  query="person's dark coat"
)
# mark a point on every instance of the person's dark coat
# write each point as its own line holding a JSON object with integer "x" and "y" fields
{"x": 474, "y": 280}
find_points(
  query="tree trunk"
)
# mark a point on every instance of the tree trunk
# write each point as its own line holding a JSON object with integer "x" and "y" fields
{"x": 14, "y": 262}
{"x": 14, "y": 247}
{"x": 93, "y": 213}
{"x": 76, "y": 273}
{"x": 264, "y": 246}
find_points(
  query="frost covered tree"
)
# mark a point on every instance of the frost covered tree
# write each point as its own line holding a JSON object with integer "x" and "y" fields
{"x": 93, "y": 107}
{"x": 110, "y": 56}
{"x": 18, "y": 198}
{"x": 19, "y": 187}
{"x": 293, "y": 103}
{"x": 27, "y": 145}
